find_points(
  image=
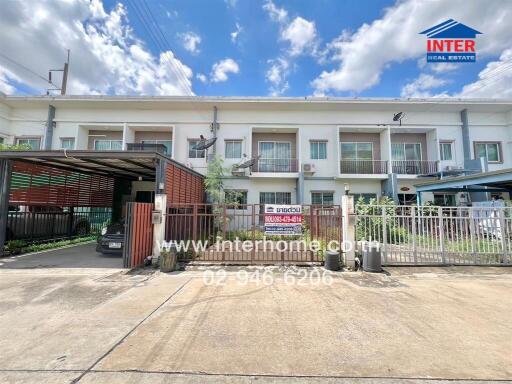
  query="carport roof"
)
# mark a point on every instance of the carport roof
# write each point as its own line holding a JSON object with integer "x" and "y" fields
{"x": 122, "y": 164}
{"x": 494, "y": 179}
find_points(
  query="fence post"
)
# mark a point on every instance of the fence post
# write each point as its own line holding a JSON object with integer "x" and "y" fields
{"x": 441, "y": 233}
{"x": 349, "y": 232}
{"x": 385, "y": 234}
{"x": 253, "y": 220}
{"x": 159, "y": 229}
{"x": 472, "y": 234}
{"x": 414, "y": 250}
{"x": 503, "y": 234}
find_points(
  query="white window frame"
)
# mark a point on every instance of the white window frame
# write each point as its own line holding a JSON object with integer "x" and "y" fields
{"x": 110, "y": 144}
{"x": 323, "y": 197}
{"x": 189, "y": 141}
{"x": 67, "y": 138}
{"x": 404, "y": 144}
{"x": 275, "y": 142}
{"x": 355, "y": 143}
{"x": 450, "y": 143}
{"x": 232, "y": 141}
{"x": 275, "y": 197}
{"x": 39, "y": 138}
{"x": 317, "y": 142}
{"x": 486, "y": 143}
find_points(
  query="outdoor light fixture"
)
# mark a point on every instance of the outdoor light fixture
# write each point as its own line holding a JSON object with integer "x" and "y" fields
{"x": 347, "y": 188}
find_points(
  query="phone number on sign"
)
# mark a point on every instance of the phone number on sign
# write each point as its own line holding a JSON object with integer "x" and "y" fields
{"x": 268, "y": 277}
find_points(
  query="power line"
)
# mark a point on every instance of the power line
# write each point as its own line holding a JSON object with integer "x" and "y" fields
{"x": 495, "y": 75}
{"x": 160, "y": 41}
{"x": 27, "y": 69}
{"x": 163, "y": 37}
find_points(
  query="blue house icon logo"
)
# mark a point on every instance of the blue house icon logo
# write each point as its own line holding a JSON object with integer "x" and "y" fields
{"x": 451, "y": 41}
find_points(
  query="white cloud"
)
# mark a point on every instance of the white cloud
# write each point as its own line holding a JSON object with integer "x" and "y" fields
{"x": 106, "y": 57}
{"x": 235, "y": 33}
{"x": 171, "y": 14}
{"x": 364, "y": 54}
{"x": 190, "y": 41}
{"x": 494, "y": 81}
{"x": 6, "y": 79}
{"x": 202, "y": 78}
{"x": 422, "y": 86}
{"x": 277, "y": 75}
{"x": 276, "y": 14}
{"x": 221, "y": 69}
{"x": 301, "y": 34}
{"x": 443, "y": 67}
{"x": 231, "y": 3}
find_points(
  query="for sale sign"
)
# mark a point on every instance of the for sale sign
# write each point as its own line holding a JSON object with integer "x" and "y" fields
{"x": 283, "y": 219}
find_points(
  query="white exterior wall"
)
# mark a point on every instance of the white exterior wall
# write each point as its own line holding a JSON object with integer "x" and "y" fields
{"x": 238, "y": 120}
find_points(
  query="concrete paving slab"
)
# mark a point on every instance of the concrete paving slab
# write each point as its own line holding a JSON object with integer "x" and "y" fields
{"x": 382, "y": 327}
{"x": 159, "y": 328}
{"x": 78, "y": 256}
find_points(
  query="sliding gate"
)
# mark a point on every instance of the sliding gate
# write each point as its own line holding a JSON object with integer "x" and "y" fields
{"x": 428, "y": 235}
{"x": 235, "y": 234}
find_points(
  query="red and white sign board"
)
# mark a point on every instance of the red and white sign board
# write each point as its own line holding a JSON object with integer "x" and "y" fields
{"x": 283, "y": 219}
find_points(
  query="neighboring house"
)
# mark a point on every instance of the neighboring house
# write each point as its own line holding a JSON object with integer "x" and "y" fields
{"x": 307, "y": 148}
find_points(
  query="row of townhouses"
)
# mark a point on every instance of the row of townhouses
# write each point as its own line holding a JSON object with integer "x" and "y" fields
{"x": 307, "y": 150}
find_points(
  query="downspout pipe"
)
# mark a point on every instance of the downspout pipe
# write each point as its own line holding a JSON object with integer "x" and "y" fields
{"x": 49, "y": 128}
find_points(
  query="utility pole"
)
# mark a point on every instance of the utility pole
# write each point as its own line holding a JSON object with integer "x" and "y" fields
{"x": 64, "y": 82}
{"x": 65, "y": 76}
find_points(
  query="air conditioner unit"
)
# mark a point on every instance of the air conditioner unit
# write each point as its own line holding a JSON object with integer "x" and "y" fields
{"x": 308, "y": 168}
{"x": 238, "y": 172}
{"x": 452, "y": 168}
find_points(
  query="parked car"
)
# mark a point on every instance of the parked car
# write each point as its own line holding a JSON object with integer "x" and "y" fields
{"x": 111, "y": 240}
{"x": 40, "y": 222}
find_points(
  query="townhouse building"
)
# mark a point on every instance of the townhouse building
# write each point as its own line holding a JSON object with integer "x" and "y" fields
{"x": 307, "y": 150}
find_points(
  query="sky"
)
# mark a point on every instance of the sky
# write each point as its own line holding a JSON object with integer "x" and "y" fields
{"x": 348, "y": 48}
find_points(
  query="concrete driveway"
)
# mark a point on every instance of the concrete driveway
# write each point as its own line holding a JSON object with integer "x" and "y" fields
{"x": 435, "y": 324}
{"x": 82, "y": 256}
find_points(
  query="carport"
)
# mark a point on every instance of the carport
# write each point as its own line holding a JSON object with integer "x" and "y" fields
{"x": 114, "y": 180}
{"x": 482, "y": 183}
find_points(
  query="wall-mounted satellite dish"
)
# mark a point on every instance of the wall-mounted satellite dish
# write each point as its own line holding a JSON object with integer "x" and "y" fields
{"x": 398, "y": 117}
{"x": 246, "y": 163}
{"x": 204, "y": 143}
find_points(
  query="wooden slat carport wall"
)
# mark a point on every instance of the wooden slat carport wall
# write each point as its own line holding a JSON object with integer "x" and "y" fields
{"x": 33, "y": 184}
{"x": 183, "y": 186}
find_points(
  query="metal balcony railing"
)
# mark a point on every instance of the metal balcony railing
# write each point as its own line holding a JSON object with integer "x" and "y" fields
{"x": 363, "y": 166}
{"x": 276, "y": 165}
{"x": 415, "y": 167}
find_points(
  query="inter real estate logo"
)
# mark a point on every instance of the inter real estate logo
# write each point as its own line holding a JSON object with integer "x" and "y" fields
{"x": 451, "y": 42}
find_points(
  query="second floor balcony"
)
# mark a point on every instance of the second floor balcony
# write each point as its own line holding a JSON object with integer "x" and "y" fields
{"x": 368, "y": 167}
{"x": 286, "y": 165}
{"x": 415, "y": 167}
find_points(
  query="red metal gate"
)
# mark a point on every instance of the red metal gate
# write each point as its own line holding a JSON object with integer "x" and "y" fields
{"x": 208, "y": 225}
{"x": 138, "y": 237}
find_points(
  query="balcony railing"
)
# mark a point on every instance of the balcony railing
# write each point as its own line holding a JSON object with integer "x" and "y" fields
{"x": 414, "y": 167}
{"x": 276, "y": 165}
{"x": 363, "y": 166}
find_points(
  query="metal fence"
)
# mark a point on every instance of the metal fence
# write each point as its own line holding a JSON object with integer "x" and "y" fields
{"x": 428, "y": 235}
{"x": 42, "y": 223}
{"x": 221, "y": 231}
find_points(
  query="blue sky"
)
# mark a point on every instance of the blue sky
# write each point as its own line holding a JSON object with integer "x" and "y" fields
{"x": 254, "y": 48}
